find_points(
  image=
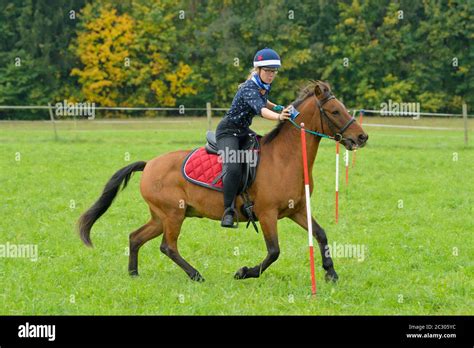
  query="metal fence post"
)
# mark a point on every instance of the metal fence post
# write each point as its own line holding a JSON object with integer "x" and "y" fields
{"x": 51, "y": 116}
{"x": 209, "y": 116}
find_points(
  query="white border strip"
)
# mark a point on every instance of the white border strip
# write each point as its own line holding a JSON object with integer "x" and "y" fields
{"x": 267, "y": 62}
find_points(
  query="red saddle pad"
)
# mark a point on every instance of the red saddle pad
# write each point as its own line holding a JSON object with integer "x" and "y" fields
{"x": 203, "y": 169}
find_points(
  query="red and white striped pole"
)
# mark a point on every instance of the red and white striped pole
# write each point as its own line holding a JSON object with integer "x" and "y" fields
{"x": 337, "y": 181}
{"x": 346, "y": 160}
{"x": 347, "y": 166}
{"x": 308, "y": 209}
{"x": 361, "y": 112}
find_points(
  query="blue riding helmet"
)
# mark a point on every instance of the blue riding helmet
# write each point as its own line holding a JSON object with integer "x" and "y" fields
{"x": 267, "y": 58}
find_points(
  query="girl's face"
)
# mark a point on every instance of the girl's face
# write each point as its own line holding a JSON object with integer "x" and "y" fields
{"x": 268, "y": 74}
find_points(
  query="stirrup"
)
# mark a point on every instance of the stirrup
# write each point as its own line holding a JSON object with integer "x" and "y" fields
{"x": 236, "y": 225}
{"x": 247, "y": 207}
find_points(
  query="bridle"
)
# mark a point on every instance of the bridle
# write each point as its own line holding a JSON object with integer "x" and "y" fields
{"x": 338, "y": 132}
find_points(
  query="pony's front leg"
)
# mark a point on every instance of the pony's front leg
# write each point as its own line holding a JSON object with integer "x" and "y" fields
{"x": 320, "y": 235}
{"x": 268, "y": 222}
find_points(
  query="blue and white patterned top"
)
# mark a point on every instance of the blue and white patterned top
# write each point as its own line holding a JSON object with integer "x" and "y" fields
{"x": 247, "y": 103}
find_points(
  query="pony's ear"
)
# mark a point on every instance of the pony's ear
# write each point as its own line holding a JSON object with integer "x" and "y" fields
{"x": 321, "y": 89}
{"x": 317, "y": 91}
{"x": 327, "y": 88}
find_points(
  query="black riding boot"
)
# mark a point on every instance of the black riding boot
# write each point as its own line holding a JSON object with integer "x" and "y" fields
{"x": 229, "y": 138}
{"x": 228, "y": 218}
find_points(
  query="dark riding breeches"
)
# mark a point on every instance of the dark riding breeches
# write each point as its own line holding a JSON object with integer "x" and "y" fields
{"x": 230, "y": 139}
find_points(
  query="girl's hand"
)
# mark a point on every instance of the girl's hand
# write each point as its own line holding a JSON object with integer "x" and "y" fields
{"x": 285, "y": 114}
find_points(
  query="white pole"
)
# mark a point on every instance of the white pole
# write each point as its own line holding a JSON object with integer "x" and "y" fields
{"x": 347, "y": 166}
{"x": 337, "y": 181}
{"x": 308, "y": 209}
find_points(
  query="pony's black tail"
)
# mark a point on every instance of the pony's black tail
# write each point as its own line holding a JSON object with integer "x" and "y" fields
{"x": 103, "y": 203}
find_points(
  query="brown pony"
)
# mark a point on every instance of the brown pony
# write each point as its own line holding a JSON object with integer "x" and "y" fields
{"x": 279, "y": 181}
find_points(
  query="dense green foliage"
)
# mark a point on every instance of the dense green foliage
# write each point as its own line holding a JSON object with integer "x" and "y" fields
{"x": 190, "y": 52}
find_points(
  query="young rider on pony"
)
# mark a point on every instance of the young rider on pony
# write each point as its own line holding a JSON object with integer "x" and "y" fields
{"x": 251, "y": 99}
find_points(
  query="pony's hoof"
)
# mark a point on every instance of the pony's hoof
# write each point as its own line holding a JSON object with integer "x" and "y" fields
{"x": 197, "y": 277}
{"x": 241, "y": 273}
{"x": 331, "y": 277}
{"x": 133, "y": 273}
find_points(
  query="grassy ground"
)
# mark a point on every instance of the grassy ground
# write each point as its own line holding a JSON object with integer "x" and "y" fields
{"x": 409, "y": 205}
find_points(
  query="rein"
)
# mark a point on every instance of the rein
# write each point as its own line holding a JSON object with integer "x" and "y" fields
{"x": 338, "y": 133}
{"x": 310, "y": 131}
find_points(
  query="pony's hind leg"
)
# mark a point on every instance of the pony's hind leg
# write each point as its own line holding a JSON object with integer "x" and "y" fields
{"x": 169, "y": 246}
{"x": 268, "y": 221}
{"x": 150, "y": 230}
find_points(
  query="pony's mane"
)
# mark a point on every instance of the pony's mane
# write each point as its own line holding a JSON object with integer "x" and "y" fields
{"x": 305, "y": 92}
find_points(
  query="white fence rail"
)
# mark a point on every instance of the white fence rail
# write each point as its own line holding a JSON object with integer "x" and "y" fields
{"x": 182, "y": 109}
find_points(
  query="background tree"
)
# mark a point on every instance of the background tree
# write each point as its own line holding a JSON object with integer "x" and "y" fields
{"x": 34, "y": 58}
{"x": 168, "y": 53}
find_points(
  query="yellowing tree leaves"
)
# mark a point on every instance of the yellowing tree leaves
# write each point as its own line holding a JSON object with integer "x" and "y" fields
{"x": 125, "y": 62}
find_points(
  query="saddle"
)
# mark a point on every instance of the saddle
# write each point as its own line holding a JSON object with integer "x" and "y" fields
{"x": 204, "y": 167}
{"x": 249, "y": 170}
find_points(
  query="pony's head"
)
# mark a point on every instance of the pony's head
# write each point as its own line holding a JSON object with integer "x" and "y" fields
{"x": 335, "y": 120}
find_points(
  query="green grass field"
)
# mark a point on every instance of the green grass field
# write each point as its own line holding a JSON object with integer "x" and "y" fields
{"x": 409, "y": 204}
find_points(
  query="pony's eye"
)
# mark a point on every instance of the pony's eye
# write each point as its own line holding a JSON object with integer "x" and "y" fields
{"x": 335, "y": 112}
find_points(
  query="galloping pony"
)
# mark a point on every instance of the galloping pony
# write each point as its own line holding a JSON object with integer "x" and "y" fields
{"x": 279, "y": 180}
